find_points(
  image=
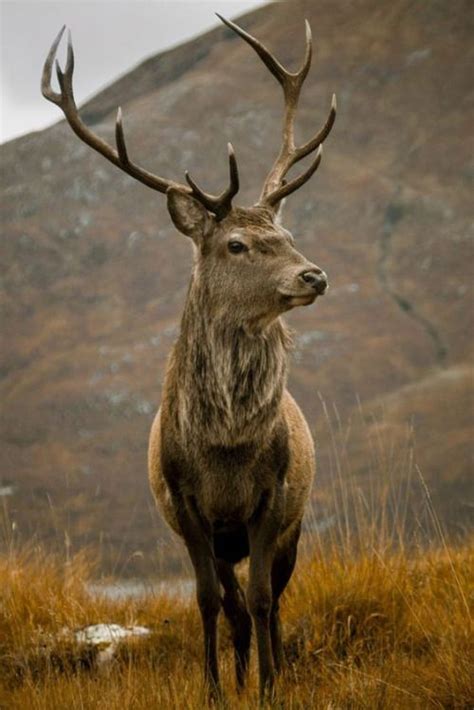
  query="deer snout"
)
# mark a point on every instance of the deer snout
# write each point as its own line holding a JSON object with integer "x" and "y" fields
{"x": 316, "y": 278}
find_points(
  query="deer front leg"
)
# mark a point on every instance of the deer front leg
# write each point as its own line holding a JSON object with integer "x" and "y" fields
{"x": 236, "y": 612}
{"x": 263, "y": 530}
{"x": 198, "y": 541}
{"x": 283, "y": 566}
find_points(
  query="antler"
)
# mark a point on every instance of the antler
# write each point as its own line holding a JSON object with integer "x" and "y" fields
{"x": 275, "y": 186}
{"x": 214, "y": 204}
{"x": 220, "y": 205}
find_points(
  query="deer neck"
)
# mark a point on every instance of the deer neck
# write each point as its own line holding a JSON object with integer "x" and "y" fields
{"x": 229, "y": 378}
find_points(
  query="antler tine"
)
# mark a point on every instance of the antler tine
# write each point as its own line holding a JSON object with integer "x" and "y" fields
{"x": 220, "y": 205}
{"x": 278, "y": 71}
{"x": 46, "y": 88}
{"x": 120, "y": 138}
{"x": 275, "y": 187}
{"x": 65, "y": 78}
{"x": 303, "y": 72}
{"x": 288, "y": 187}
{"x": 321, "y": 136}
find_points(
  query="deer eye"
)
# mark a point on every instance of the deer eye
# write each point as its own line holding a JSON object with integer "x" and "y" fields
{"x": 236, "y": 247}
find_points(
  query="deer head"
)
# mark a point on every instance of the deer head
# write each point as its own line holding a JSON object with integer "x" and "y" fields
{"x": 245, "y": 260}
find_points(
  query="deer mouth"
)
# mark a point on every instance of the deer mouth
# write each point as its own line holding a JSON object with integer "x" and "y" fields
{"x": 299, "y": 299}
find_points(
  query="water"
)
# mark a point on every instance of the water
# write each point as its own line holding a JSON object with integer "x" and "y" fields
{"x": 180, "y": 588}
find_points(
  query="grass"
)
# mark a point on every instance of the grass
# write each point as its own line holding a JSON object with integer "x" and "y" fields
{"x": 377, "y": 615}
{"x": 381, "y": 630}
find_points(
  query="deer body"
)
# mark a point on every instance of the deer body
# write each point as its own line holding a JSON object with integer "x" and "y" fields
{"x": 231, "y": 458}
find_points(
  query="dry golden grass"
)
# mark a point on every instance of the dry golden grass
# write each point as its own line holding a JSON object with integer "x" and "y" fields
{"x": 377, "y": 615}
{"x": 375, "y": 629}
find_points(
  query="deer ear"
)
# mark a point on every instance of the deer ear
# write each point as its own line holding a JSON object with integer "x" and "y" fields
{"x": 279, "y": 212}
{"x": 188, "y": 215}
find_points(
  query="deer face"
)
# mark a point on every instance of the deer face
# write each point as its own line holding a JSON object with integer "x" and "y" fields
{"x": 247, "y": 263}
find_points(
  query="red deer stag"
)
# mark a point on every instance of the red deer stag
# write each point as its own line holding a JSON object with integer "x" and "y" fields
{"x": 231, "y": 458}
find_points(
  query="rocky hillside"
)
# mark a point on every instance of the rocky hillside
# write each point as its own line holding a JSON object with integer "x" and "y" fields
{"x": 94, "y": 275}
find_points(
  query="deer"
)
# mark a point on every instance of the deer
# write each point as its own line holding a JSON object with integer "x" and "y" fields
{"x": 231, "y": 458}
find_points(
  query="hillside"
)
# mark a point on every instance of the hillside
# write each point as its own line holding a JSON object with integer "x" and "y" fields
{"x": 95, "y": 275}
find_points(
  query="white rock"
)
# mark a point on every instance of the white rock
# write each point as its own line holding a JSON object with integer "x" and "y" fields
{"x": 7, "y": 490}
{"x": 98, "y": 634}
{"x": 105, "y": 637}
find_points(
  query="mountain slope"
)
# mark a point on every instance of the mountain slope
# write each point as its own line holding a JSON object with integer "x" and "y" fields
{"x": 95, "y": 274}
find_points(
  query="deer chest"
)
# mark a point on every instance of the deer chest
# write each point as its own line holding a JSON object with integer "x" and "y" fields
{"x": 229, "y": 487}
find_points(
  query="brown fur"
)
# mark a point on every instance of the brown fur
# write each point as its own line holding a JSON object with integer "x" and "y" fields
{"x": 229, "y": 440}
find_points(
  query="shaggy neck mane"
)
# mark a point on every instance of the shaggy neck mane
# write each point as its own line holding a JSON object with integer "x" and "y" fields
{"x": 229, "y": 381}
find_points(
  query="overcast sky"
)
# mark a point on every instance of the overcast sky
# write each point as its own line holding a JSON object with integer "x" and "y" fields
{"x": 110, "y": 37}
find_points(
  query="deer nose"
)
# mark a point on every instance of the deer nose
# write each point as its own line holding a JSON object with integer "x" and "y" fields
{"x": 315, "y": 278}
